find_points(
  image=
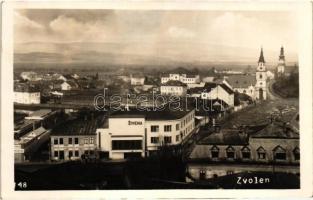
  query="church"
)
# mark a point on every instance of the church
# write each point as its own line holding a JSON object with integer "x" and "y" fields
{"x": 252, "y": 85}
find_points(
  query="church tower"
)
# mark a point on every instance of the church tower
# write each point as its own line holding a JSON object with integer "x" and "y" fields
{"x": 260, "y": 87}
{"x": 281, "y": 63}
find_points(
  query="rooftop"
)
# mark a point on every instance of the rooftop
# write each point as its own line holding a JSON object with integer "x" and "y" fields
{"x": 151, "y": 115}
{"x": 174, "y": 83}
{"x": 39, "y": 114}
{"x": 225, "y": 137}
{"x": 276, "y": 130}
{"x": 82, "y": 125}
{"x": 241, "y": 81}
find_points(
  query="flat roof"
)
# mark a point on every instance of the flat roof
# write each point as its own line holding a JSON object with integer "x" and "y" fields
{"x": 151, "y": 115}
{"x": 39, "y": 113}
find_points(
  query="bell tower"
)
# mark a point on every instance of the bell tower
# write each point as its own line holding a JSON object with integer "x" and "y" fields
{"x": 260, "y": 87}
{"x": 281, "y": 63}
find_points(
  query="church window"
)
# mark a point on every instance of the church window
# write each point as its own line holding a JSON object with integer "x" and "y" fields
{"x": 260, "y": 75}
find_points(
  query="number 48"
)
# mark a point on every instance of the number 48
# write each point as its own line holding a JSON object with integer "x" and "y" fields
{"x": 22, "y": 185}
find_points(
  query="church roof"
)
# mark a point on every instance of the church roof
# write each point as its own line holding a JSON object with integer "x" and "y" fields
{"x": 261, "y": 58}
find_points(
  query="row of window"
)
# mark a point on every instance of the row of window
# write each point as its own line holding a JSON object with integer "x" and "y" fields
{"x": 168, "y": 128}
{"x": 279, "y": 153}
{"x": 87, "y": 140}
{"x": 71, "y": 153}
{"x": 156, "y": 140}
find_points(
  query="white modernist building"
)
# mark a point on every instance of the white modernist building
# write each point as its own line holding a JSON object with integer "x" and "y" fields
{"x": 139, "y": 133}
{"x": 184, "y": 78}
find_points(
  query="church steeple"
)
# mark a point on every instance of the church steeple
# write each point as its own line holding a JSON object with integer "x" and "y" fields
{"x": 282, "y": 55}
{"x": 261, "y": 58}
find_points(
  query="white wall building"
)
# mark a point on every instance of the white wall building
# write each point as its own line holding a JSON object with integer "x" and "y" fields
{"x": 25, "y": 94}
{"x": 137, "y": 80}
{"x": 174, "y": 88}
{"x": 140, "y": 133}
{"x": 66, "y": 86}
{"x": 184, "y": 78}
{"x": 213, "y": 91}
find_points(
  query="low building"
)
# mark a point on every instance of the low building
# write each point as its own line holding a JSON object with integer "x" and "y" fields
{"x": 218, "y": 91}
{"x": 66, "y": 86}
{"x": 75, "y": 138}
{"x": 28, "y": 144}
{"x": 243, "y": 84}
{"x": 26, "y": 94}
{"x": 137, "y": 80}
{"x": 267, "y": 148}
{"x": 137, "y": 133}
{"x": 174, "y": 88}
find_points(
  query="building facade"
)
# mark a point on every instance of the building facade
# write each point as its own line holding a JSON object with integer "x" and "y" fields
{"x": 274, "y": 148}
{"x": 25, "y": 94}
{"x": 141, "y": 133}
{"x": 218, "y": 91}
{"x": 174, "y": 88}
{"x": 184, "y": 78}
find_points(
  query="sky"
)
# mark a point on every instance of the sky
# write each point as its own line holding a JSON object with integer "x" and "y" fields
{"x": 188, "y": 35}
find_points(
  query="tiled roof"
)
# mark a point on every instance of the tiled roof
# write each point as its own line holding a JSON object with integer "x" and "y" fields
{"x": 174, "y": 83}
{"x": 241, "y": 81}
{"x": 24, "y": 87}
{"x": 80, "y": 125}
{"x": 226, "y": 137}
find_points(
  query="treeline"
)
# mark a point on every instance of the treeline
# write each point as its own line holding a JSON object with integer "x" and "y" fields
{"x": 287, "y": 86}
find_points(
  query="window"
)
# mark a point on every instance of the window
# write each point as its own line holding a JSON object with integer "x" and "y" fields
{"x": 230, "y": 152}
{"x": 86, "y": 141}
{"x": 167, "y": 128}
{"x": 215, "y": 152}
{"x": 279, "y": 153}
{"x": 91, "y": 140}
{"x": 70, "y": 140}
{"x": 70, "y": 154}
{"x": 126, "y": 144}
{"x": 261, "y": 153}
{"x": 56, "y": 141}
{"x": 154, "y": 128}
{"x": 61, "y": 140}
{"x": 56, "y": 154}
{"x": 261, "y": 76}
{"x": 177, "y": 127}
{"x": 296, "y": 153}
{"x": 154, "y": 140}
{"x": 167, "y": 139}
{"x": 76, "y": 140}
{"x": 245, "y": 152}
{"x": 230, "y": 172}
{"x": 76, "y": 154}
{"x": 177, "y": 138}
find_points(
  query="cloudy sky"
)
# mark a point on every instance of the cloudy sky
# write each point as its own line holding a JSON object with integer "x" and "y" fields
{"x": 189, "y": 35}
